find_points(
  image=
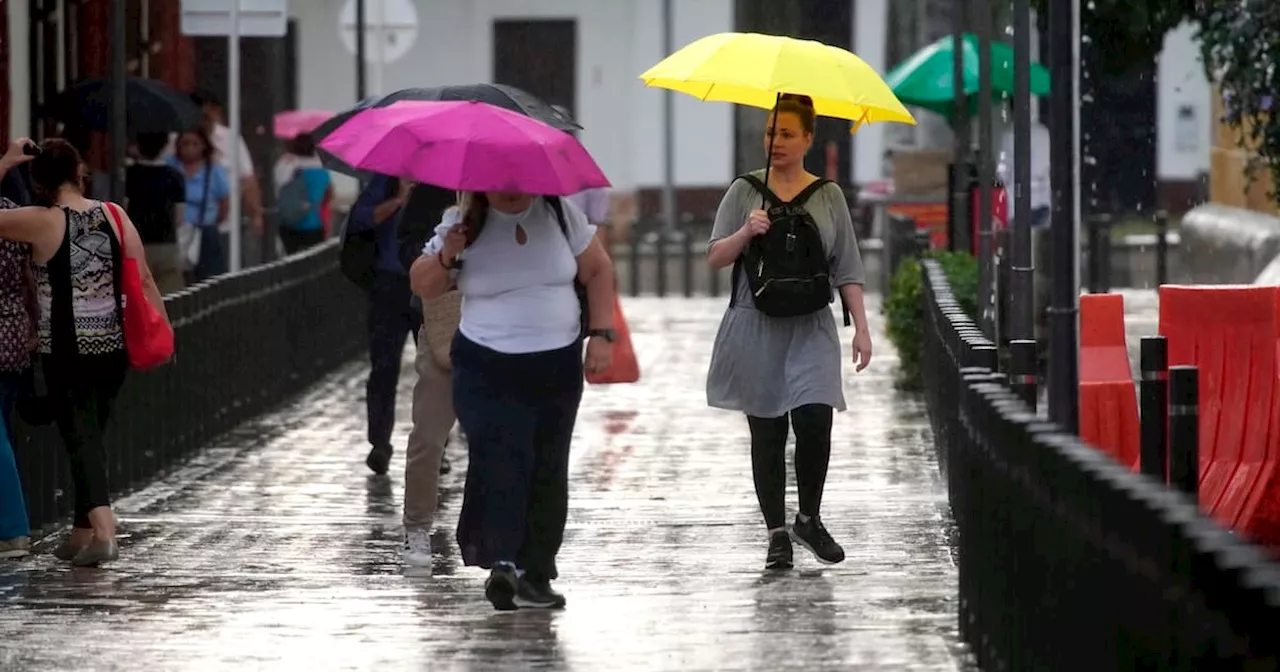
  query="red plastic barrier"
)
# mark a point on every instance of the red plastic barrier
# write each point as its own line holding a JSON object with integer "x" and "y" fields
{"x": 1231, "y": 333}
{"x": 1108, "y": 397}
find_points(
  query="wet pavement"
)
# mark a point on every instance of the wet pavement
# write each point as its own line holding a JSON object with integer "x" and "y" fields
{"x": 276, "y": 550}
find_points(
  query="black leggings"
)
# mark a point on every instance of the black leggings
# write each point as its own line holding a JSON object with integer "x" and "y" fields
{"x": 83, "y": 392}
{"x": 812, "y": 425}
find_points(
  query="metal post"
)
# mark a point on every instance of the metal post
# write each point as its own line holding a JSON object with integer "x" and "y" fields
{"x": 361, "y": 91}
{"x": 1022, "y": 263}
{"x": 1153, "y": 406}
{"x": 668, "y": 127}
{"x": 1184, "y": 429}
{"x": 1022, "y": 371}
{"x": 1093, "y": 229}
{"x": 986, "y": 170}
{"x": 1064, "y": 366}
{"x": 233, "y": 112}
{"x": 1162, "y": 248}
{"x": 119, "y": 109}
{"x": 960, "y": 214}
{"x": 380, "y": 48}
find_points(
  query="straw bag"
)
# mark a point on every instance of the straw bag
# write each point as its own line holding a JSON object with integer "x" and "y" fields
{"x": 440, "y": 318}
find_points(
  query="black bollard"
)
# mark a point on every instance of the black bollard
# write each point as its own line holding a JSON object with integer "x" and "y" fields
{"x": 1153, "y": 407}
{"x": 1184, "y": 429}
{"x": 633, "y": 254}
{"x": 660, "y": 258}
{"x": 924, "y": 242}
{"x": 1022, "y": 371}
{"x": 686, "y": 221}
{"x": 1162, "y": 248}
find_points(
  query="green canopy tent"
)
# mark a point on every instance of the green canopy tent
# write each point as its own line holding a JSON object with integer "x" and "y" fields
{"x": 926, "y": 79}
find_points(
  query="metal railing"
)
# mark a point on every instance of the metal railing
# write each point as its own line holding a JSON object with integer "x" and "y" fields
{"x": 245, "y": 342}
{"x": 1067, "y": 560}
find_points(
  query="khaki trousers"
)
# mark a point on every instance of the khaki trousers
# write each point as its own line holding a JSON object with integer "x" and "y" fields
{"x": 433, "y": 419}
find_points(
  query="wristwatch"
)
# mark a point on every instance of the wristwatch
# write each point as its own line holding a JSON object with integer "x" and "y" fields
{"x": 607, "y": 334}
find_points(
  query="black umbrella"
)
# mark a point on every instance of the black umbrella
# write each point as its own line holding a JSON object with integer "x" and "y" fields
{"x": 151, "y": 106}
{"x": 500, "y": 95}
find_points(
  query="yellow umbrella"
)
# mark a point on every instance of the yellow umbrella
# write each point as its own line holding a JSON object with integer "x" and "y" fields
{"x": 754, "y": 69}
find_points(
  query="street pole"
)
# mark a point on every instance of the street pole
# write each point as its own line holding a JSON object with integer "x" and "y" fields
{"x": 986, "y": 168}
{"x": 361, "y": 91}
{"x": 1022, "y": 277}
{"x": 1064, "y": 383}
{"x": 233, "y": 111}
{"x": 119, "y": 109}
{"x": 669, "y": 129}
{"x": 961, "y": 222}
{"x": 380, "y": 48}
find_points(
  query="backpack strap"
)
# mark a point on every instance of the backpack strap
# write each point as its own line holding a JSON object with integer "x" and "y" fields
{"x": 764, "y": 190}
{"x": 557, "y": 206}
{"x": 810, "y": 190}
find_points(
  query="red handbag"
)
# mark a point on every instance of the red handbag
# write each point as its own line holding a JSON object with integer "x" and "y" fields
{"x": 625, "y": 368}
{"x": 148, "y": 337}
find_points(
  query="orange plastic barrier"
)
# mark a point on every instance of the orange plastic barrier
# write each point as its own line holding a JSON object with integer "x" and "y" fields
{"x": 1108, "y": 398}
{"x": 1231, "y": 333}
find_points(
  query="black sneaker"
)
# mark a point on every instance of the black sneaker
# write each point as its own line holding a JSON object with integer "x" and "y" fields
{"x": 779, "y": 556}
{"x": 379, "y": 459}
{"x": 537, "y": 595}
{"x": 445, "y": 465}
{"x": 812, "y": 535}
{"x": 500, "y": 587}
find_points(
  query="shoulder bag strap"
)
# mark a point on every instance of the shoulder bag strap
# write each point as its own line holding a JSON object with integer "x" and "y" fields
{"x": 204, "y": 198}
{"x": 809, "y": 191}
{"x": 115, "y": 217}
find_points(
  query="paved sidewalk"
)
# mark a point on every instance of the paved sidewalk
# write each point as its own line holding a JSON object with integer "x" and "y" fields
{"x": 276, "y": 550}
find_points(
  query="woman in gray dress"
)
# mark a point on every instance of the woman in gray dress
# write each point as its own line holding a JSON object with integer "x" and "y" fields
{"x": 783, "y": 371}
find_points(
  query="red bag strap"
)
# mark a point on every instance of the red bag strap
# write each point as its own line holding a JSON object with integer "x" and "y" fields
{"x": 117, "y": 219}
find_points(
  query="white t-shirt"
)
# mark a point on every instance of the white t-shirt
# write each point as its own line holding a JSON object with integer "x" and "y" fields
{"x": 519, "y": 298}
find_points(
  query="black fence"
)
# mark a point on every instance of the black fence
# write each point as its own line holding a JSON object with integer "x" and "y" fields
{"x": 245, "y": 341}
{"x": 1068, "y": 561}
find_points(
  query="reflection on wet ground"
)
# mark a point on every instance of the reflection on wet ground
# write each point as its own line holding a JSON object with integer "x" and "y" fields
{"x": 276, "y": 550}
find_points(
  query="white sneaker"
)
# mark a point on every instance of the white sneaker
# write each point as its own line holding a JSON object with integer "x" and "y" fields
{"x": 417, "y": 548}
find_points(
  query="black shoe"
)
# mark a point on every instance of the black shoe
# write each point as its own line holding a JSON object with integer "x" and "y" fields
{"x": 779, "y": 556}
{"x": 500, "y": 587}
{"x": 379, "y": 459}
{"x": 812, "y": 535}
{"x": 445, "y": 465}
{"x": 537, "y": 595}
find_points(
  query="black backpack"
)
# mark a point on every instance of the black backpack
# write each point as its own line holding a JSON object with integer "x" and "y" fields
{"x": 787, "y": 269}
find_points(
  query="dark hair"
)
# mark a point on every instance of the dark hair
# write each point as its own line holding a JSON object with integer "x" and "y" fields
{"x": 57, "y": 164}
{"x": 151, "y": 144}
{"x": 801, "y": 106}
{"x": 474, "y": 214}
{"x": 199, "y": 132}
{"x": 304, "y": 144}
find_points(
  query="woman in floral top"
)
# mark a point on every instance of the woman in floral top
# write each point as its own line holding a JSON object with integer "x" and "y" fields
{"x": 17, "y": 338}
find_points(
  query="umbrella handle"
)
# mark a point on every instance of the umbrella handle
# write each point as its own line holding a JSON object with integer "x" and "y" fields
{"x": 768, "y": 157}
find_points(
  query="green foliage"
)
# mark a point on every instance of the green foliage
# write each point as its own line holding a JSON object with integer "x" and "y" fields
{"x": 904, "y": 307}
{"x": 1126, "y": 32}
{"x": 1240, "y": 45}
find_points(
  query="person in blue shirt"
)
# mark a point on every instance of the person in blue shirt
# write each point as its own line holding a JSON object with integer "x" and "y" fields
{"x": 302, "y": 163}
{"x": 392, "y": 318}
{"x": 208, "y": 193}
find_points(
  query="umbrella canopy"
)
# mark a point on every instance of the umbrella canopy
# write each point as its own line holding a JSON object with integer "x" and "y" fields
{"x": 466, "y": 146}
{"x": 499, "y": 95}
{"x": 926, "y": 79}
{"x": 754, "y": 69}
{"x": 292, "y": 123}
{"x": 151, "y": 106}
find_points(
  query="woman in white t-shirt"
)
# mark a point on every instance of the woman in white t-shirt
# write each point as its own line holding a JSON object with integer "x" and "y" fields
{"x": 518, "y": 374}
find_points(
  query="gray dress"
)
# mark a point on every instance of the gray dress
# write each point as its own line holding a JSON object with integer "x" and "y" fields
{"x": 766, "y": 366}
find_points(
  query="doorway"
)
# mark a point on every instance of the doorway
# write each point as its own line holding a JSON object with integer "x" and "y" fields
{"x": 539, "y": 56}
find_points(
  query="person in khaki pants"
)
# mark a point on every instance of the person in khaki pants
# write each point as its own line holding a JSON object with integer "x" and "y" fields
{"x": 433, "y": 420}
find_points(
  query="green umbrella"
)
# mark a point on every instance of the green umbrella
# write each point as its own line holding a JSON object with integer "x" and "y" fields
{"x": 925, "y": 79}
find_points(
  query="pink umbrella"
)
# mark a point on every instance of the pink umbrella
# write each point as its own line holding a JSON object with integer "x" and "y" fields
{"x": 467, "y": 146}
{"x": 292, "y": 123}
